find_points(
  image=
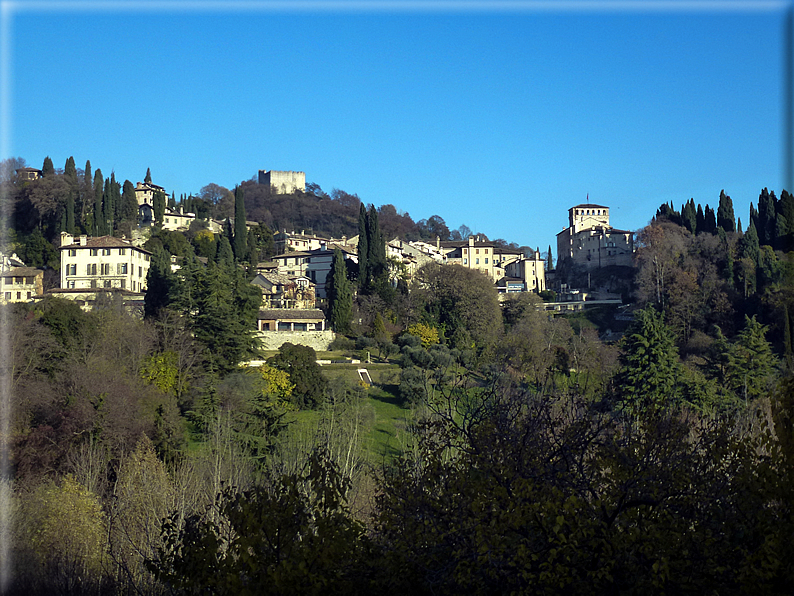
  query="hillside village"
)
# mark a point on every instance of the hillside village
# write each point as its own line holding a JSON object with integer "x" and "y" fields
{"x": 293, "y": 281}
{"x": 409, "y": 409}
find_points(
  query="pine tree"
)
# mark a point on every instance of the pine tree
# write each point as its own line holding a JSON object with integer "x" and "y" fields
{"x": 340, "y": 295}
{"x": 725, "y": 216}
{"x": 751, "y": 361}
{"x": 647, "y": 379}
{"x": 240, "y": 239}
{"x": 47, "y": 169}
{"x": 148, "y": 178}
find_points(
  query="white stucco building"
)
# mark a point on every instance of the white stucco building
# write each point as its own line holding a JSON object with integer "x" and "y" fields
{"x": 103, "y": 262}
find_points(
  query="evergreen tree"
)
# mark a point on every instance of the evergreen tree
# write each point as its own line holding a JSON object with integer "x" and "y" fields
{"x": 86, "y": 198}
{"x": 647, "y": 379}
{"x": 172, "y": 201}
{"x": 376, "y": 247}
{"x": 753, "y": 216}
{"x": 99, "y": 226}
{"x": 129, "y": 203}
{"x": 711, "y": 220}
{"x": 158, "y": 205}
{"x": 148, "y": 178}
{"x": 363, "y": 248}
{"x": 108, "y": 209}
{"x": 549, "y": 260}
{"x": 786, "y": 209}
{"x": 223, "y": 316}
{"x": 739, "y": 226}
{"x": 700, "y": 219}
{"x": 725, "y": 216}
{"x": 240, "y": 239}
{"x": 70, "y": 172}
{"x": 70, "y": 213}
{"x": 47, "y": 169}
{"x": 340, "y": 295}
{"x": 689, "y": 216}
{"x": 160, "y": 284}
{"x": 225, "y": 255}
{"x": 751, "y": 362}
{"x": 115, "y": 191}
{"x": 765, "y": 227}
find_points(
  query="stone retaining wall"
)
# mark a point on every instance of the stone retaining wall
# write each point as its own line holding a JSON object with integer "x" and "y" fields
{"x": 319, "y": 340}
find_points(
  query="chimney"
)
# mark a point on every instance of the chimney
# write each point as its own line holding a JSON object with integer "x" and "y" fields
{"x": 438, "y": 242}
{"x": 83, "y": 240}
{"x": 66, "y": 238}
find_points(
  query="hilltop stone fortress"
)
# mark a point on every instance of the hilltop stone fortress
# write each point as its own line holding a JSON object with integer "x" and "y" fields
{"x": 284, "y": 182}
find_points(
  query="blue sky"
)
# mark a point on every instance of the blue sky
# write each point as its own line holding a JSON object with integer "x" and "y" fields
{"x": 500, "y": 119}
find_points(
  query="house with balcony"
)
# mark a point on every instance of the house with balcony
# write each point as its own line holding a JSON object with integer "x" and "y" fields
{"x": 20, "y": 284}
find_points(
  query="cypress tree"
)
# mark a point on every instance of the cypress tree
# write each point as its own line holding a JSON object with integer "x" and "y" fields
{"x": 70, "y": 213}
{"x": 70, "y": 172}
{"x": 99, "y": 227}
{"x": 700, "y": 219}
{"x": 148, "y": 178}
{"x": 363, "y": 248}
{"x": 340, "y": 295}
{"x": 376, "y": 249}
{"x": 549, "y": 260}
{"x": 739, "y": 226}
{"x": 86, "y": 197}
{"x": 108, "y": 208}
{"x": 224, "y": 256}
{"x": 689, "y": 216}
{"x": 160, "y": 284}
{"x": 240, "y": 239}
{"x": 711, "y": 220}
{"x": 115, "y": 192}
{"x": 129, "y": 203}
{"x": 765, "y": 226}
{"x": 172, "y": 201}
{"x": 725, "y": 216}
{"x": 47, "y": 169}
{"x": 158, "y": 205}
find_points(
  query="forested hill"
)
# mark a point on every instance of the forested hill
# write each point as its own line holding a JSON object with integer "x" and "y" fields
{"x": 336, "y": 215}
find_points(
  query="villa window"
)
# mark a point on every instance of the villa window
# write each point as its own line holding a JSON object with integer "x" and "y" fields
{"x": 105, "y": 269}
{"x": 72, "y": 252}
{"x": 122, "y": 268}
{"x": 122, "y": 251}
{"x": 94, "y": 252}
{"x": 71, "y": 269}
{"x": 105, "y": 252}
{"x": 90, "y": 269}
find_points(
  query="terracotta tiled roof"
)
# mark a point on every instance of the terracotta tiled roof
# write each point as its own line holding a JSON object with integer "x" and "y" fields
{"x": 103, "y": 242}
{"x": 21, "y": 272}
{"x": 268, "y": 314}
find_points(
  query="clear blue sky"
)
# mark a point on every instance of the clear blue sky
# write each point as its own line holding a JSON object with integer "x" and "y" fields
{"x": 500, "y": 119}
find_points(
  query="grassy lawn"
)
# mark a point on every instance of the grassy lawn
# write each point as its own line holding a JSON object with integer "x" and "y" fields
{"x": 387, "y": 419}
